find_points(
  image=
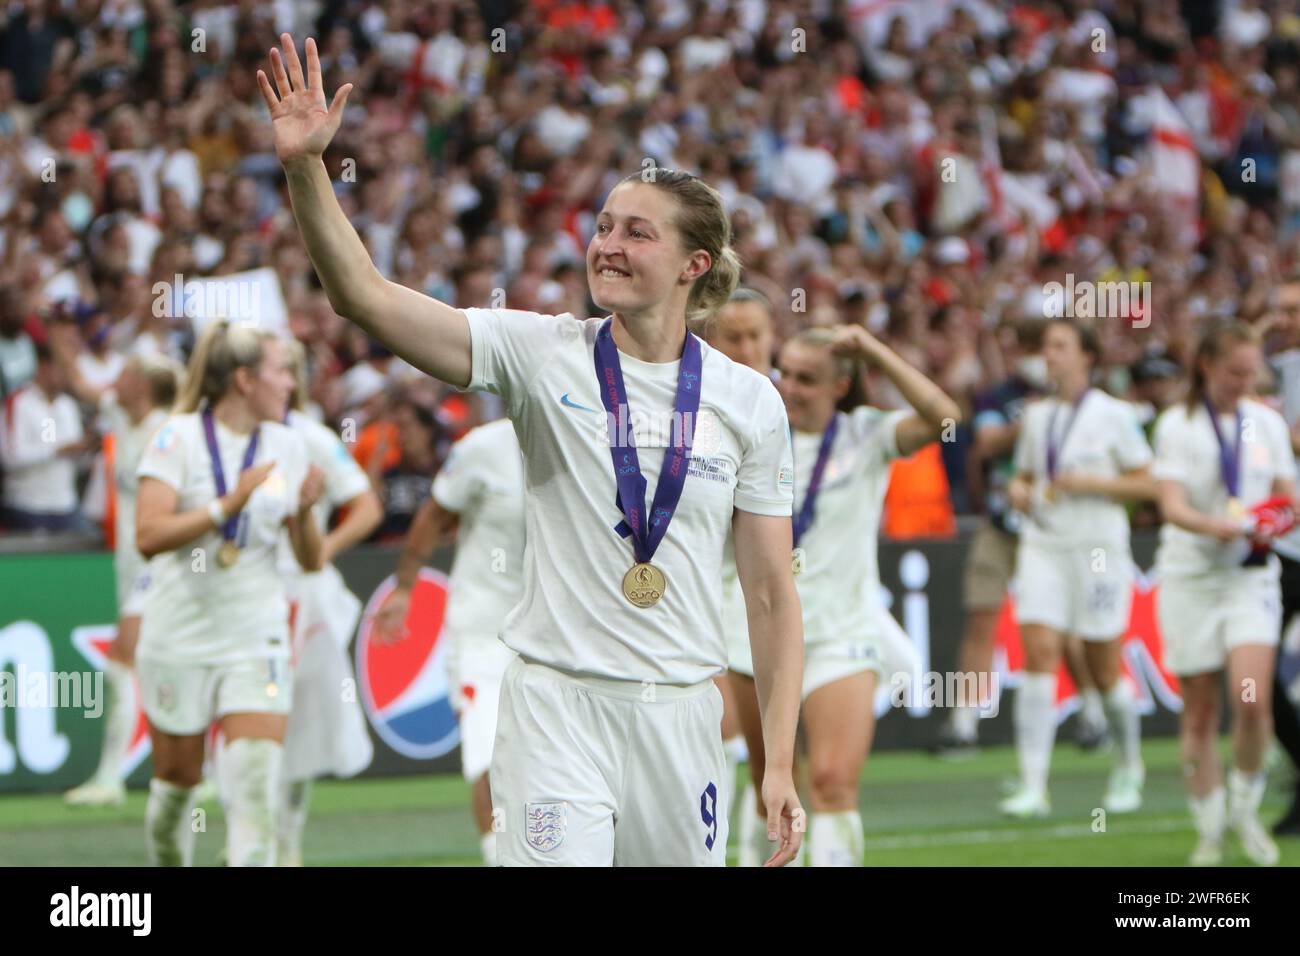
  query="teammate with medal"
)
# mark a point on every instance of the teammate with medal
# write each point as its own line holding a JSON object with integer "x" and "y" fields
{"x": 842, "y": 471}
{"x": 1080, "y": 457}
{"x": 608, "y": 748}
{"x": 1218, "y": 455}
{"x": 221, "y": 478}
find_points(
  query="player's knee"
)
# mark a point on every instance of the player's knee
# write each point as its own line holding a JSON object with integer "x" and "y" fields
{"x": 1200, "y": 723}
{"x": 1255, "y": 716}
{"x": 831, "y": 783}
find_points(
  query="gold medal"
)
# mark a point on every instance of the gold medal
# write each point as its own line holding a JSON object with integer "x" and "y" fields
{"x": 1236, "y": 511}
{"x": 1049, "y": 494}
{"x": 796, "y": 561}
{"x": 644, "y": 584}
{"x": 227, "y": 554}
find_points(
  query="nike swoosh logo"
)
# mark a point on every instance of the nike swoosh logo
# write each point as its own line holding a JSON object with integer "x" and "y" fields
{"x": 566, "y": 401}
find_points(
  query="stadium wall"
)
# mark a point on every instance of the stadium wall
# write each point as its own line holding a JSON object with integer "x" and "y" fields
{"x": 57, "y": 618}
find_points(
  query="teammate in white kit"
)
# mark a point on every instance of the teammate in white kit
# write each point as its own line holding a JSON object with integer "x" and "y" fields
{"x": 841, "y": 474}
{"x": 608, "y": 747}
{"x": 1080, "y": 456}
{"x": 742, "y": 330}
{"x": 1217, "y": 455}
{"x": 219, "y": 482}
{"x": 326, "y": 732}
{"x": 131, "y": 411}
{"x": 478, "y": 498}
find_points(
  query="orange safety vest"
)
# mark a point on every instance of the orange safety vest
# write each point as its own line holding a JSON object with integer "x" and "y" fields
{"x": 917, "y": 502}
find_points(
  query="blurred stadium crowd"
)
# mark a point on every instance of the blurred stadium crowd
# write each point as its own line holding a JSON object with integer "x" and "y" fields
{"x": 926, "y": 169}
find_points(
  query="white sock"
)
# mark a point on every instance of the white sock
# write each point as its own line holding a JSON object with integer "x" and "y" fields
{"x": 1094, "y": 712}
{"x": 295, "y": 800}
{"x": 249, "y": 771}
{"x": 1245, "y": 793}
{"x": 487, "y": 844}
{"x": 1209, "y": 813}
{"x": 168, "y": 836}
{"x": 1123, "y": 720}
{"x": 836, "y": 839}
{"x": 119, "y": 722}
{"x": 1035, "y": 725}
{"x": 965, "y": 721}
{"x": 751, "y": 831}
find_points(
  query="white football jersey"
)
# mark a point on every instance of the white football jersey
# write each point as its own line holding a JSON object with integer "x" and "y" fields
{"x": 196, "y": 610}
{"x": 482, "y": 481}
{"x": 1188, "y": 452}
{"x": 574, "y": 614}
{"x": 1105, "y": 440}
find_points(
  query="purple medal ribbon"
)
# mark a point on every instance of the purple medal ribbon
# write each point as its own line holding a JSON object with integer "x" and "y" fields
{"x": 1229, "y": 460}
{"x": 627, "y": 467}
{"x": 804, "y": 519}
{"x": 1053, "y": 449}
{"x": 229, "y": 529}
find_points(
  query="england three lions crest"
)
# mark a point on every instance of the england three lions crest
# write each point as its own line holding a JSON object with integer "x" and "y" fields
{"x": 545, "y": 825}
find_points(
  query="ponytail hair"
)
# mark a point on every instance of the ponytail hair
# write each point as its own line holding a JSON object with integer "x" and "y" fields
{"x": 223, "y": 347}
{"x": 1213, "y": 345}
{"x": 298, "y": 360}
{"x": 702, "y": 222}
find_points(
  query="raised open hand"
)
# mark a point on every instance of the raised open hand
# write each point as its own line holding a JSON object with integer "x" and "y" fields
{"x": 302, "y": 123}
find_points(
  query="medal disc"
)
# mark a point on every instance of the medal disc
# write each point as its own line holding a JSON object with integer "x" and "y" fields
{"x": 644, "y": 584}
{"x": 227, "y": 554}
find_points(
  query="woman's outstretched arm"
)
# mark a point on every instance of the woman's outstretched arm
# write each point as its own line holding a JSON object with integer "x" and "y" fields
{"x": 431, "y": 335}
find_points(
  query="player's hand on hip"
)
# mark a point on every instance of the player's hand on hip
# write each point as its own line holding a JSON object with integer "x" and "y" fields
{"x": 303, "y": 124}
{"x": 786, "y": 820}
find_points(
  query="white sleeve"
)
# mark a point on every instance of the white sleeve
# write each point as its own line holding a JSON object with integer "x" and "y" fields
{"x": 765, "y": 479}
{"x": 165, "y": 456}
{"x": 457, "y": 483}
{"x": 1131, "y": 448}
{"x": 876, "y": 430}
{"x": 508, "y": 347}
{"x": 344, "y": 479}
{"x": 1171, "y": 441}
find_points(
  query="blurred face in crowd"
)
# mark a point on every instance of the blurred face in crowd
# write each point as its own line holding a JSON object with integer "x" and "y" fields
{"x": 810, "y": 384}
{"x": 742, "y": 331}
{"x": 1288, "y": 313}
{"x": 1067, "y": 362}
{"x": 267, "y": 387}
{"x": 412, "y": 436}
{"x": 51, "y": 377}
{"x": 636, "y": 237}
{"x": 1232, "y": 376}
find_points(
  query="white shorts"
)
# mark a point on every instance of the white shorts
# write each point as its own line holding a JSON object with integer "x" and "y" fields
{"x": 474, "y": 674}
{"x": 1064, "y": 590}
{"x": 590, "y": 772}
{"x": 132, "y": 587}
{"x": 184, "y": 698}
{"x": 1203, "y": 617}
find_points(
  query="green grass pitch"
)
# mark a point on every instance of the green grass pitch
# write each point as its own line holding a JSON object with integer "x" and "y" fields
{"x": 917, "y": 811}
